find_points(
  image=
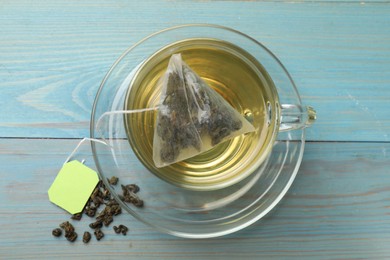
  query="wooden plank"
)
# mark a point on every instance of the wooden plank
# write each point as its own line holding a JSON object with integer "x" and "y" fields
{"x": 337, "y": 208}
{"x": 54, "y": 54}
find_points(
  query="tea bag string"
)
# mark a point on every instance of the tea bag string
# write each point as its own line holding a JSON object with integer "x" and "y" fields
{"x": 98, "y": 125}
{"x": 79, "y": 144}
{"x": 118, "y": 112}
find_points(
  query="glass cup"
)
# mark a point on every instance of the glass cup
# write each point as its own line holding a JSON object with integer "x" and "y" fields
{"x": 235, "y": 192}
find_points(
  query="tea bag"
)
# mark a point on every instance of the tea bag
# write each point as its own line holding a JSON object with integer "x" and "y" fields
{"x": 192, "y": 117}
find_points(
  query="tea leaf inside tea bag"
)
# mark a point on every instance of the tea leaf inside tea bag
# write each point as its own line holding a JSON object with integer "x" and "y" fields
{"x": 192, "y": 117}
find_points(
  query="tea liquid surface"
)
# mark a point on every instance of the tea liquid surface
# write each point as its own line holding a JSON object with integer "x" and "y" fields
{"x": 236, "y": 76}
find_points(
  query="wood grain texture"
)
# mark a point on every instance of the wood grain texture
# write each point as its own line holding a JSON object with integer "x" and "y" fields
{"x": 54, "y": 54}
{"x": 337, "y": 208}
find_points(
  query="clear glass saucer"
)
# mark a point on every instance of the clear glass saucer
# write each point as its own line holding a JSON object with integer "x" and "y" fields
{"x": 176, "y": 210}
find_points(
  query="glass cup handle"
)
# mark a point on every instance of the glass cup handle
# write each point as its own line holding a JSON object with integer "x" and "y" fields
{"x": 296, "y": 117}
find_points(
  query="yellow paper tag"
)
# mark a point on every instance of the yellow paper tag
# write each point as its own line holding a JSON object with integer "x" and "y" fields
{"x": 73, "y": 186}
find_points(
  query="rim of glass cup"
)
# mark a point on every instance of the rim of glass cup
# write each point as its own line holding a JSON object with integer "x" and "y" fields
{"x": 187, "y": 234}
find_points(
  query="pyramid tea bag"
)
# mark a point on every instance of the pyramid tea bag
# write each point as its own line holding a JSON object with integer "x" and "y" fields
{"x": 192, "y": 117}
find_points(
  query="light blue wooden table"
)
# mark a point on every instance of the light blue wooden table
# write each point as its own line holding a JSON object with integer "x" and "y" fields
{"x": 54, "y": 54}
